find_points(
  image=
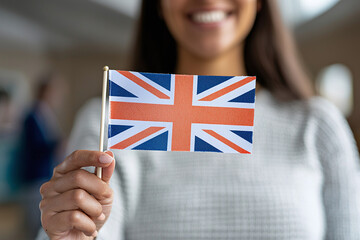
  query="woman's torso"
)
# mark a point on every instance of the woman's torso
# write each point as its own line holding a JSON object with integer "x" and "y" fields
{"x": 275, "y": 193}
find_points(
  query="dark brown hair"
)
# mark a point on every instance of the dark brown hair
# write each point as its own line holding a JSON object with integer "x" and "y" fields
{"x": 269, "y": 52}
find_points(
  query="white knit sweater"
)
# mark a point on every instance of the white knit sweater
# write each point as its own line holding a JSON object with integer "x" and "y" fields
{"x": 301, "y": 182}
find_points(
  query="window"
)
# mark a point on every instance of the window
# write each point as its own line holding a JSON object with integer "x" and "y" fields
{"x": 299, "y": 11}
{"x": 335, "y": 83}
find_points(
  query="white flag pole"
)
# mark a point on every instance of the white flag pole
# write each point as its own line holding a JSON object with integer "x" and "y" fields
{"x": 103, "y": 111}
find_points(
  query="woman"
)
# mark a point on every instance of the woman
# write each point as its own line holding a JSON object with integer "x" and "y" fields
{"x": 301, "y": 182}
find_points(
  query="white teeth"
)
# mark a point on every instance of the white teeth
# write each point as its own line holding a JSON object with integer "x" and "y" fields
{"x": 209, "y": 16}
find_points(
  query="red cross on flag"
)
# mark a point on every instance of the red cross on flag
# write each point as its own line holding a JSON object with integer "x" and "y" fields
{"x": 171, "y": 112}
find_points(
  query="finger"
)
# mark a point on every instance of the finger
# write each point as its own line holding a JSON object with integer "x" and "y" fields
{"x": 72, "y": 180}
{"x": 83, "y": 158}
{"x": 80, "y": 179}
{"x": 63, "y": 222}
{"x": 76, "y": 199}
{"x": 108, "y": 171}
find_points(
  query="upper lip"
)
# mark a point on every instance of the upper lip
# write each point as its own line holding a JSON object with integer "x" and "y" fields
{"x": 208, "y": 9}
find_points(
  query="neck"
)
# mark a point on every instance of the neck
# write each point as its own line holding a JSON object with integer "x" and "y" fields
{"x": 230, "y": 63}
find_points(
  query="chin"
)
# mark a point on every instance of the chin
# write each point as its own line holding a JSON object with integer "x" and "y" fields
{"x": 209, "y": 50}
{"x": 208, "y": 54}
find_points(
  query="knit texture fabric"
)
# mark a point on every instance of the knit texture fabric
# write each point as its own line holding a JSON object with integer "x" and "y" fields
{"x": 301, "y": 182}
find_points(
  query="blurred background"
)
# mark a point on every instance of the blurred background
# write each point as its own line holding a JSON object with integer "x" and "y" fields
{"x": 51, "y": 59}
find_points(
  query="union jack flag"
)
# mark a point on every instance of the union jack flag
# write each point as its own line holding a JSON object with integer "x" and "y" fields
{"x": 172, "y": 112}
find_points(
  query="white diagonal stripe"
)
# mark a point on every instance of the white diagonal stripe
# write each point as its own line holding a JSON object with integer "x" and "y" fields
{"x": 152, "y": 83}
{"x": 219, "y": 87}
{"x": 138, "y": 126}
{"x": 213, "y": 141}
{"x": 148, "y": 138}
{"x": 132, "y": 87}
{"x": 225, "y": 131}
{"x": 236, "y": 92}
{"x": 125, "y": 134}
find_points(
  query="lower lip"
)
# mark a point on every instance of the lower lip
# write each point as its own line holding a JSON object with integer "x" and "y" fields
{"x": 211, "y": 25}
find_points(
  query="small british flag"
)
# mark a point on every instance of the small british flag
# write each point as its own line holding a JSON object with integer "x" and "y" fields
{"x": 172, "y": 112}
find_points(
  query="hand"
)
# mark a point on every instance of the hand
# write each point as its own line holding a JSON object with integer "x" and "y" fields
{"x": 75, "y": 203}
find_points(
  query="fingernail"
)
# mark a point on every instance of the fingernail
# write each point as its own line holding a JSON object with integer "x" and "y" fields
{"x": 101, "y": 217}
{"x": 104, "y": 158}
{"x": 95, "y": 234}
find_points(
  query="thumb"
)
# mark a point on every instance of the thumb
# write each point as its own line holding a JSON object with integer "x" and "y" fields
{"x": 108, "y": 171}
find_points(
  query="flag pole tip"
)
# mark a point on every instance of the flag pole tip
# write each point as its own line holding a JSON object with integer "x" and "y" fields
{"x": 106, "y": 68}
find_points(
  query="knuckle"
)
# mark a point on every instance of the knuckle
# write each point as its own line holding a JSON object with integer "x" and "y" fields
{"x": 78, "y": 195}
{"x": 44, "y": 188}
{"x": 107, "y": 192}
{"x": 42, "y": 204}
{"x": 92, "y": 227}
{"x": 77, "y": 177}
{"x": 57, "y": 169}
{"x": 74, "y": 216}
{"x": 98, "y": 210}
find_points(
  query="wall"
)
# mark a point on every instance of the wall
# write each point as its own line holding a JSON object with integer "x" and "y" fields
{"x": 339, "y": 45}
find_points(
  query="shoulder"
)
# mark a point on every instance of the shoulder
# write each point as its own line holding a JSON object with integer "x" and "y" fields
{"x": 316, "y": 112}
{"x": 326, "y": 116}
{"x": 332, "y": 132}
{"x": 315, "y": 122}
{"x": 323, "y": 109}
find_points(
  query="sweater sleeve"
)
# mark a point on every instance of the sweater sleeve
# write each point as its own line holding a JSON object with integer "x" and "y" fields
{"x": 85, "y": 135}
{"x": 341, "y": 172}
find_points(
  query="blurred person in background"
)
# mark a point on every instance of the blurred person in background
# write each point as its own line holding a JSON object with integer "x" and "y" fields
{"x": 8, "y": 146}
{"x": 301, "y": 182}
{"x": 40, "y": 142}
{"x": 6, "y": 121}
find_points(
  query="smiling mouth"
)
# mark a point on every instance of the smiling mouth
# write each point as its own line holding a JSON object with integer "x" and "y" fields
{"x": 209, "y": 17}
